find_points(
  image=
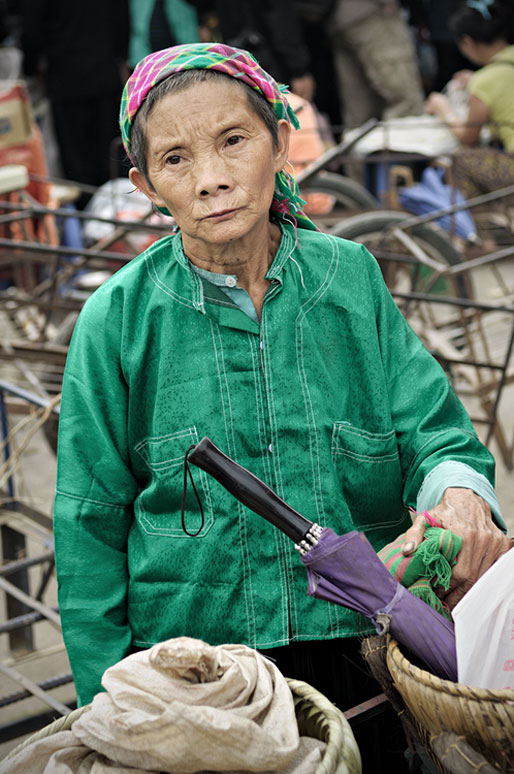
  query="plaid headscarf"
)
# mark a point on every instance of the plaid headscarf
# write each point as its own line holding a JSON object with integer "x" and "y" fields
{"x": 235, "y": 62}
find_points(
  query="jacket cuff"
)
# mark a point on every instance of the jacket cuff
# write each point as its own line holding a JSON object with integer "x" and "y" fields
{"x": 457, "y": 474}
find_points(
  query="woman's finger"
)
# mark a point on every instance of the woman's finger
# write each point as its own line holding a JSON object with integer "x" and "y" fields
{"x": 414, "y": 536}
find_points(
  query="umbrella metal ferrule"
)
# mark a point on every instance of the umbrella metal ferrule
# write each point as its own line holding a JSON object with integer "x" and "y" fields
{"x": 310, "y": 539}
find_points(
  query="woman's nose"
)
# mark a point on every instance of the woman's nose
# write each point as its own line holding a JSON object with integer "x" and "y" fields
{"x": 212, "y": 177}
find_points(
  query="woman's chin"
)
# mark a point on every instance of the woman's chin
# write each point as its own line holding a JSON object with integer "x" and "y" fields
{"x": 227, "y": 230}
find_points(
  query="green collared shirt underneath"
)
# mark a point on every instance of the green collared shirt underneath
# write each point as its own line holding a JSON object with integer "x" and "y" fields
{"x": 227, "y": 283}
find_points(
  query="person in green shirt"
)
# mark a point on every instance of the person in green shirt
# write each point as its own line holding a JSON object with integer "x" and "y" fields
{"x": 155, "y": 24}
{"x": 280, "y": 343}
{"x": 484, "y": 32}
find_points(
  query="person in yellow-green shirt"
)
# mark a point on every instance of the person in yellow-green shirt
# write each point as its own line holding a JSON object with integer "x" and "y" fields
{"x": 484, "y": 31}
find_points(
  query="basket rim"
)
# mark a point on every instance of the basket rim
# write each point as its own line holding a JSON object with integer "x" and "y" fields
{"x": 445, "y": 686}
{"x": 340, "y": 734}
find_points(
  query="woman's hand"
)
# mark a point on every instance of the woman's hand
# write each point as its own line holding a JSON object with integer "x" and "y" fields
{"x": 467, "y": 131}
{"x": 461, "y": 78}
{"x": 437, "y": 105}
{"x": 468, "y": 516}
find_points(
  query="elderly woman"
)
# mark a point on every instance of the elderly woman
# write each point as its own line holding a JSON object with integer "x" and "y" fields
{"x": 280, "y": 343}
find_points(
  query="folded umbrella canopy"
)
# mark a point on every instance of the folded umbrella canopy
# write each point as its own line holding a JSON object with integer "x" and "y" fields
{"x": 342, "y": 569}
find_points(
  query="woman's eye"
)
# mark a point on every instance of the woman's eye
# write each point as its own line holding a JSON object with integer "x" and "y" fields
{"x": 234, "y": 140}
{"x": 173, "y": 160}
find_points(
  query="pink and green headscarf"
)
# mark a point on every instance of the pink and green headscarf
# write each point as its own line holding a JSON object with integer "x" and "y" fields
{"x": 235, "y": 62}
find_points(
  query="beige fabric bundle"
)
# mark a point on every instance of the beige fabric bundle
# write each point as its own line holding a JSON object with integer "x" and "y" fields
{"x": 180, "y": 707}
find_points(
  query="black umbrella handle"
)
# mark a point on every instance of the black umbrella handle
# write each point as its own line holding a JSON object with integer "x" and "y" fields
{"x": 249, "y": 489}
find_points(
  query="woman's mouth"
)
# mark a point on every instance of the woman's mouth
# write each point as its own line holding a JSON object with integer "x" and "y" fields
{"x": 222, "y": 214}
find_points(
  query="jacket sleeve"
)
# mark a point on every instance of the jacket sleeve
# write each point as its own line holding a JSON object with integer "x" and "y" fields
{"x": 432, "y": 426}
{"x": 93, "y": 504}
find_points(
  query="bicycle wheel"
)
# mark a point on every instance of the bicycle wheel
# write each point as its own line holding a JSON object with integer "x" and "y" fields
{"x": 445, "y": 329}
{"x": 401, "y": 267}
{"x": 330, "y": 197}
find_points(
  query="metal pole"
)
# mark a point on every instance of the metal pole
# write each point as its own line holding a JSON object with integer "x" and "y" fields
{"x": 45, "y": 685}
{"x": 466, "y": 303}
{"x": 482, "y": 260}
{"x": 46, "y": 611}
{"x": 14, "y": 549}
{"x": 23, "y": 620}
{"x": 37, "y": 247}
{"x": 333, "y": 153}
{"x": 22, "y": 564}
{"x": 499, "y": 389}
{"x": 29, "y": 211}
{"x": 34, "y": 689}
{"x": 5, "y": 440}
{"x": 30, "y": 397}
{"x": 469, "y": 203}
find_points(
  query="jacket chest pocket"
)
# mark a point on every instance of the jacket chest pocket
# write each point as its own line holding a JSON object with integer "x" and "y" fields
{"x": 368, "y": 467}
{"x": 158, "y": 506}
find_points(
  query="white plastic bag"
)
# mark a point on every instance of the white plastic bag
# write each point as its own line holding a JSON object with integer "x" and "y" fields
{"x": 118, "y": 199}
{"x": 484, "y": 629}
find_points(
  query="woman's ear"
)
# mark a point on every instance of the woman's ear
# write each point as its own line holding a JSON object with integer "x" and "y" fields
{"x": 139, "y": 181}
{"x": 468, "y": 47}
{"x": 282, "y": 149}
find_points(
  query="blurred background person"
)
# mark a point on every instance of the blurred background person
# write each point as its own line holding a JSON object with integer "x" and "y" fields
{"x": 313, "y": 15}
{"x": 271, "y": 31}
{"x": 484, "y": 32}
{"x": 10, "y": 55}
{"x": 375, "y": 61}
{"x": 158, "y": 24}
{"x": 449, "y": 59}
{"x": 80, "y": 50}
{"x": 430, "y": 21}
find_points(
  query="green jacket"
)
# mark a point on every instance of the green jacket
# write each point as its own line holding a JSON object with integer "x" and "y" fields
{"x": 332, "y": 400}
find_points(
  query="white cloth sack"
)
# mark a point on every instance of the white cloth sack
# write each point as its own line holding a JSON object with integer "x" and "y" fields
{"x": 182, "y": 706}
{"x": 484, "y": 628}
{"x": 427, "y": 135}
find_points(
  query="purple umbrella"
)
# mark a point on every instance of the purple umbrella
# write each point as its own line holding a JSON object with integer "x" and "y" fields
{"x": 346, "y": 570}
{"x": 342, "y": 569}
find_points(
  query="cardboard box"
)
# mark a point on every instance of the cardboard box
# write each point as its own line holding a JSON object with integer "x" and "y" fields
{"x": 15, "y": 114}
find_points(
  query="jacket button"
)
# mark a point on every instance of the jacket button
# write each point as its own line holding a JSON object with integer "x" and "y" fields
{"x": 270, "y": 448}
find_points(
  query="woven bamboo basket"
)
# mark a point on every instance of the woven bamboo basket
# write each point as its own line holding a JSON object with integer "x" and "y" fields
{"x": 484, "y": 718}
{"x": 316, "y": 716}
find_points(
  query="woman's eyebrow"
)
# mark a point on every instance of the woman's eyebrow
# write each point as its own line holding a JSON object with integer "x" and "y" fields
{"x": 235, "y": 127}
{"x": 163, "y": 148}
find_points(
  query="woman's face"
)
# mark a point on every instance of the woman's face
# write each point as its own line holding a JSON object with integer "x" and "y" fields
{"x": 212, "y": 162}
{"x": 472, "y": 50}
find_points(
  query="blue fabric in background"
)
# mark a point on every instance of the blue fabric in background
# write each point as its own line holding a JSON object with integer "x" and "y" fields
{"x": 71, "y": 236}
{"x": 433, "y": 194}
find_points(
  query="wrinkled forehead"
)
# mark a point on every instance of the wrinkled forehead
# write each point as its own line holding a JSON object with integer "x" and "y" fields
{"x": 201, "y": 111}
{"x": 196, "y": 85}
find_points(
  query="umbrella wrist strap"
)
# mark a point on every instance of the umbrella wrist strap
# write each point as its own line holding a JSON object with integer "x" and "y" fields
{"x": 382, "y": 618}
